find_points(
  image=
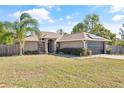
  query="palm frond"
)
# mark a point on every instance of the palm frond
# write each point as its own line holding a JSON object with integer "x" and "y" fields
{"x": 7, "y": 38}
{"x": 34, "y": 30}
{"x": 29, "y": 22}
{"x": 16, "y": 25}
{"x": 25, "y": 16}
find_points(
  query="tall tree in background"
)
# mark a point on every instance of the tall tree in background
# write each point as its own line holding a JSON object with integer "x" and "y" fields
{"x": 100, "y": 30}
{"x": 113, "y": 39}
{"x": 92, "y": 25}
{"x": 122, "y": 32}
{"x": 88, "y": 24}
{"x": 25, "y": 24}
{"x": 61, "y": 32}
{"x": 121, "y": 43}
{"x": 78, "y": 28}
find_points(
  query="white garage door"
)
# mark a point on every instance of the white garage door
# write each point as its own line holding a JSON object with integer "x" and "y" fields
{"x": 96, "y": 47}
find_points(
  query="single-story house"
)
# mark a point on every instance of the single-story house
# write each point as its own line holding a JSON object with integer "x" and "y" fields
{"x": 49, "y": 42}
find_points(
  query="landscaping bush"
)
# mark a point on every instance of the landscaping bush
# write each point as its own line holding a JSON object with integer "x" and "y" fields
{"x": 72, "y": 51}
{"x": 31, "y": 52}
{"x": 84, "y": 52}
{"x": 108, "y": 51}
{"x": 89, "y": 52}
{"x": 75, "y": 51}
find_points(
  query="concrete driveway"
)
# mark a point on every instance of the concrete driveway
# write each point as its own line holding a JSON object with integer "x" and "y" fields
{"x": 93, "y": 56}
{"x": 105, "y": 56}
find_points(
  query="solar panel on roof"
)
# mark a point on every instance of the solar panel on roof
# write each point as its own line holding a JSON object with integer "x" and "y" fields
{"x": 93, "y": 36}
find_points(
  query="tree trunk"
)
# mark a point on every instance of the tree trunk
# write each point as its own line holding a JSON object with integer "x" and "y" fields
{"x": 21, "y": 48}
{"x": 20, "y": 51}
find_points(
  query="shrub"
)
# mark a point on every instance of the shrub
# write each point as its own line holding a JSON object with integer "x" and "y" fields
{"x": 31, "y": 52}
{"x": 72, "y": 51}
{"x": 84, "y": 52}
{"x": 108, "y": 51}
{"x": 75, "y": 51}
{"x": 89, "y": 52}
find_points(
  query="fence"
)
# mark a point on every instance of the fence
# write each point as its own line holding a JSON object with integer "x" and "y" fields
{"x": 117, "y": 49}
{"x": 9, "y": 50}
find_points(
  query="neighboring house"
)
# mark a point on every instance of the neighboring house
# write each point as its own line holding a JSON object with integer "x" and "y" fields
{"x": 49, "y": 42}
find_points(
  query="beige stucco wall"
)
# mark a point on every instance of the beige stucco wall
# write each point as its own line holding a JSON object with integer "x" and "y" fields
{"x": 71, "y": 44}
{"x": 31, "y": 46}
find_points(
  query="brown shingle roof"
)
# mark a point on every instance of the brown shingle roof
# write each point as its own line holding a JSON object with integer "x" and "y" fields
{"x": 82, "y": 36}
{"x": 69, "y": 37}
{"x": 31, "y": 38}
{"x": 50, "y": 35}
{"x": 72, "y": 37}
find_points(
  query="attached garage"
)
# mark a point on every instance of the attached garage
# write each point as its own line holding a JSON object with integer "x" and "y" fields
{"x": 95, "y": 43}
{"x": 96, "y": 47}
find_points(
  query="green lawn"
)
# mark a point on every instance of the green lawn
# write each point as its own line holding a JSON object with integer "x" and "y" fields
{"x": 54, "y": 71}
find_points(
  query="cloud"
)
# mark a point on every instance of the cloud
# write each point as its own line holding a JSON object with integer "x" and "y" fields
{"x": 50, "y": 6}
{"x": 73, "y": 15}
{"x": 51, "y": 21}
{"x": 117, "y": 17}
{"x": 47, "y": 6}
{"x": 68, "y": 17}
{"x": 40, "y": 14}
{"x": 116, "y": 8}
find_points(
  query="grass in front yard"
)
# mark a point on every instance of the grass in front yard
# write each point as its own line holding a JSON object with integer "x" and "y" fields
{"x": 53, "y": 71}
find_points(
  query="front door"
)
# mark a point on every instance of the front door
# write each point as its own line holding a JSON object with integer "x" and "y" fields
{"x": 50, "y": 46}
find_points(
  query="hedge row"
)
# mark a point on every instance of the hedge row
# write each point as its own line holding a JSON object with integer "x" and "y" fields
{"x": 75, "y": 51}
{"x": 31, "y": 52}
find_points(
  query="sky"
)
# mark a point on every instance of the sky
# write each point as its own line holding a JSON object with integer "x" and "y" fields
{"x": 64, "y": 17}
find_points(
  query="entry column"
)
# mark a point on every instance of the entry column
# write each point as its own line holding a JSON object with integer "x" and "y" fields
{"x": 46, "y": 46}
{"x": 54, "y": 46}
{"x": 85, "y": 44}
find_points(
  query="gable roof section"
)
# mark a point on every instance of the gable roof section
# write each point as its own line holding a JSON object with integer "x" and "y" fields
{"x": 50, "y": 35}
{"x": 32, "y": 38}
{"x": 82, "y": 36}
{"x": 71, "y": 37}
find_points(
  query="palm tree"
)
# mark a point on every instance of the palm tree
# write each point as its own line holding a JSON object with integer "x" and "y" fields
{"x": 24, "y": 25}
{"x": 6, "y": 37}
